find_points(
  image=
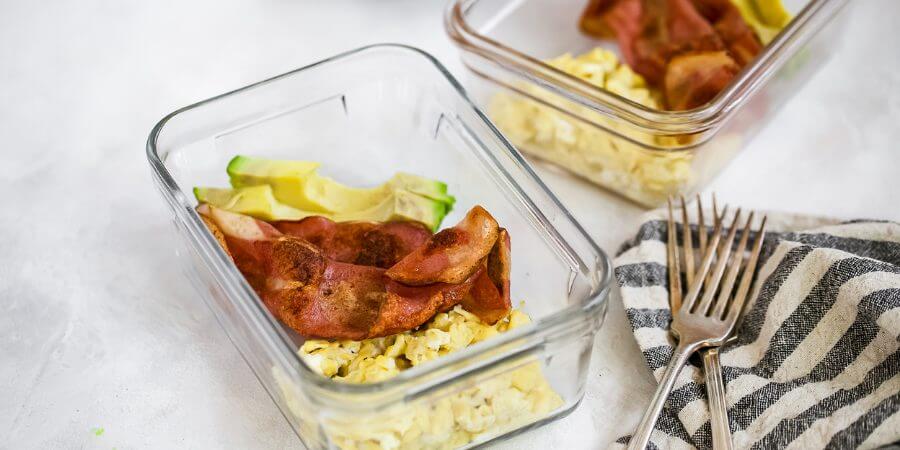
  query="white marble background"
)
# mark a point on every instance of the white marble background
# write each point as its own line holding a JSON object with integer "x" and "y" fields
{"x": 99, "y": 329}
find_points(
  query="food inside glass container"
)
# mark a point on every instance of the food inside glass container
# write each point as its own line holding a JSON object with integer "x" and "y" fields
{"x": 505, "y": 402}
{"x": 675, "y": 55}
{"x": 613, "y": 157}
{"x": 688, "y": 49}
{"x": 362, "y": 275}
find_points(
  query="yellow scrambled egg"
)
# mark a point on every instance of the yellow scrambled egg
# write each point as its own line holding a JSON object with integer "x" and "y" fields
{"x": 608, "y": 155}
{"x": 501, "y": 403}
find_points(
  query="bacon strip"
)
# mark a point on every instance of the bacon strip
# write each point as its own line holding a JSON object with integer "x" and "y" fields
{"x": 614, "y": 19}
{"x": 364, "y": 243}
{"x": 452, "y": 255}
{"x": 694, "y": 79}
{"x": 410, "y": 306}
{"x": 489, "y": 298}
{"x": 739, "y": 38}
{"x": 611, "y": 18}
{"x": 247, "y": 241}
{"x": 690, "y": 48}
{"x": 306, "y": 286}
{"x": 499, "y": 264}
{"x": 669, "y": 28}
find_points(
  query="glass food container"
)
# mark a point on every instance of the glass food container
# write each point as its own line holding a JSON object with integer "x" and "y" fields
{"x": 643, "y": 153}
{"x": 364, "y": 115}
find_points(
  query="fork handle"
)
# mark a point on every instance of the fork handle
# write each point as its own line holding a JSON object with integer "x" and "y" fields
{"x": 642, "y": 434}
{"x": 718, "y": 410}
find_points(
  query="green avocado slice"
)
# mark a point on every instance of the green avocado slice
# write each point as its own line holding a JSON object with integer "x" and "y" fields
{"x": 259, "y": 202}
{"x": 297, "y": 184}
{"x": 401, "y": 205}
{"x": 256, "y": 201}
{"x": 426, "y": 187}
{"x": 283, "y": 176}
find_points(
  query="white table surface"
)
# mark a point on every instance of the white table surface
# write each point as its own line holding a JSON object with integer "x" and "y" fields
{"x": 99, "y": 329}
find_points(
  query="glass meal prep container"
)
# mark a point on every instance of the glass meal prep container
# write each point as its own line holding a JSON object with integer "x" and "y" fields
{"x": 640, "y": 152}
{"x": 364, "y": 115}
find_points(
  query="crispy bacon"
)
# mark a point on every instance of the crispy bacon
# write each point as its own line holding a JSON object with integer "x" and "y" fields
{"x": 612, "y": 18}
{"x": 452, "y": 255}
{"x": 618, "y": 19}
{"x": 365, "y": 243}
{"x": 410, "y": 306}
{"x": 593, "y": 19}
{"x": 652, "y": 34}
{"x": 247, "y": 241}
{"x": 739, "y": 38}
{"x": 489, "y": 298}
{"x": 694, "y": 79}
{"x": 320, "y": 297}
{"x": 216, "y": 232}
{"x": 668, "y": 28}
{"x": 299, "y": 275}
{"x": 499, "y": 264}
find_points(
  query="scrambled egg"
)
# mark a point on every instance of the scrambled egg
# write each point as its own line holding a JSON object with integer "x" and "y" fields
{"x": 604, "y": 155}
{"x": 498, "y": 404}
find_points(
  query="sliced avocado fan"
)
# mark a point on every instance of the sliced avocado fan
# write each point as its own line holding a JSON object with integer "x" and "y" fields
{"x": 297, "y": 184}
{"x": 259, "y": 202}
{"x": 272, "y": 189}
{"x": 256, "y": 201}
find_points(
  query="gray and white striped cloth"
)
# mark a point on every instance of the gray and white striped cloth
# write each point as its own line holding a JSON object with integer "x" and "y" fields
{"x": 817, "y": 361}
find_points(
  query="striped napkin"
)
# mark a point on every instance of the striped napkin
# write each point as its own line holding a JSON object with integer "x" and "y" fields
{"x": 816, "y": 364}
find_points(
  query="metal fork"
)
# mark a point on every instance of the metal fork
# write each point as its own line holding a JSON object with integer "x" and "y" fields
{"x": 712, "y": 368}
{"x": 701, "y": 322}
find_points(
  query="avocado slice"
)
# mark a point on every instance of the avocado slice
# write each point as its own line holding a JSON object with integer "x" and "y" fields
{"x": 259, "y": 202}
{"x": 283, "y": 176}
{"x": 297, "y": 184}
{"x": 401, "y": 205}
{"x": 256, "y": 201}
{"x": 426, "y": 187}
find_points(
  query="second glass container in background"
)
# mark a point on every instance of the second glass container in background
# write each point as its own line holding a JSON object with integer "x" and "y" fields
{"x": 643, "y": 153}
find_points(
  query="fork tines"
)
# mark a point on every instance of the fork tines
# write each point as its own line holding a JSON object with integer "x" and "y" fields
{"x": 718, "y": 258}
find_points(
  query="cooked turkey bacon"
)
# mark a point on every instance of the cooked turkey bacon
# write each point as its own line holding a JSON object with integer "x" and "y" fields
{"x": 499, "y": 263}
{"x": 693, "y": 79}
{"x": 407, "y": 307}
{"x": 328, "y": 280}
{"x": 691, "y": 49}
{"x": 612, "y": 19}
{"x": 320, "y": 297}
{"x": 452, "y": 255}
{"x": 669, "y": 28}
{"x": 736, "y": 34}
{"x": 365, "y": 243}
{"x": 248, "y": 240}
